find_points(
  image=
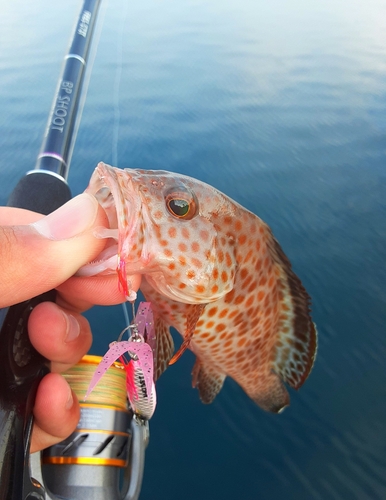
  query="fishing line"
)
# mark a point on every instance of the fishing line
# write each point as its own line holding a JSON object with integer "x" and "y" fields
{"x": 126, "y": 313}
{"x": 117, "y": 85}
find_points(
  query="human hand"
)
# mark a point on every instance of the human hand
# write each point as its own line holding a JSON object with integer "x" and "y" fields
{"x": 38, "y": 254}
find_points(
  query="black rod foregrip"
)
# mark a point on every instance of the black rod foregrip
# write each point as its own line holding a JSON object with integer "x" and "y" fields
{"x": 40, "y": 191}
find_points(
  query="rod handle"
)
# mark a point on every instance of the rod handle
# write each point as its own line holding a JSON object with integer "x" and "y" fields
{"x": 40, "y": 191}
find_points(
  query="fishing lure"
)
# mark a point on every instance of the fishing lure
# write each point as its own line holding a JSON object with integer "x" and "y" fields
{"x": 139, "y": 368}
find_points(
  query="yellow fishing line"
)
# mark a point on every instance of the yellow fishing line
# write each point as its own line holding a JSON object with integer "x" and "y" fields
{"x": 110, "y": 390}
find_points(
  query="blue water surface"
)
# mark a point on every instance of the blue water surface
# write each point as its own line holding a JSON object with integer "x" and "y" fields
{"x": 281, "y": 105}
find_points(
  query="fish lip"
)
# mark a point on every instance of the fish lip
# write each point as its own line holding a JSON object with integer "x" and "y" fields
{"x": 121, "y": 203}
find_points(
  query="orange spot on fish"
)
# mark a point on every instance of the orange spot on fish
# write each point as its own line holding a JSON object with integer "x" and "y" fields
{"x": 182, "y": 247}
{"x": 220, "y": 327}
{"x": 242, "y": 239}
{"x": 212, "y": 311}
{"x": 227, "y": 220}
{"x": 238, "y": 225}
{"x": 230, "y": 296}
{"x": 191, "y": 274}
{"x": 260, "y": 296}
{"x": 215, "y": 273}
{"x": 250, "y": 301}
{"x": 200, "y": 289}
{"x": 182, "y": 286}
{"x": 168, "y": 253}
{"x": 195, "y": 246}
{"x": 241, "y": 342}
{"x": 223, "y": 313}
{"x": 185, "y": 233}
{"x": 158, "y": 214}
{"x": 214, "y": 289}
{"x": 258, "y": 265}
{"x": 228, "y": 259}
{"x": 163, "y": 243}
{"x": 224, "y": 276}
{"x": 243, "y": 273}
{"x": 182, "y": 260}
{"x": 172, "y": 232}
{"x": 258, "y": 245}
{"x": 172, "y": 266}
{"x": 204, "y": 235}
{"x": 248, "y": 256}
{"x": 239, "y": 299}
{"x": 210, "y": 324}
{"x": 196, "y": 263}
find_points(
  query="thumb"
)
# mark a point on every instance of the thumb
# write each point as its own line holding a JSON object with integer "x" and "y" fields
{"x": 37, "y": 257}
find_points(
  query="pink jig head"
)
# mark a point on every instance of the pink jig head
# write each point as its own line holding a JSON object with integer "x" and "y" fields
{"x": 140, "y": 365}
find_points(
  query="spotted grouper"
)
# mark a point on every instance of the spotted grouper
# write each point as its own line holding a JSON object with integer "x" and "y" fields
{"x": 214, "y": 271}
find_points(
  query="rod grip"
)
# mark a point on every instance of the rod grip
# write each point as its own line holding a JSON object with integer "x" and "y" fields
{"x": 40, "y": 191}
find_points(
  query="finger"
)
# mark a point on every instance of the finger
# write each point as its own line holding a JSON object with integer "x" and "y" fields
{"x": 81, "y": 293}
{"x": 56, "y": 412}
{"x": 10, "y": 216}
{"x": 48, "y": 252}
{"x": 60, "y": 335}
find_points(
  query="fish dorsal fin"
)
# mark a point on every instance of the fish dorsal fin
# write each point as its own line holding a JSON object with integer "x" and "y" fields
{"x": 207, "y": 380}
{"x": 297, "y": 338}
{"x": 165, "y": 346}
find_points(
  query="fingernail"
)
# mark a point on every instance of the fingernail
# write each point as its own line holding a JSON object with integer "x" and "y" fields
{"x": 73, "y": 328}
{"x": 71, "y": 219}
{"x": 70, "y": 400}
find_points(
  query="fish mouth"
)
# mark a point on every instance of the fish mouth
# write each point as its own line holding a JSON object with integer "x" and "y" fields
{"x": 116, "y": 197}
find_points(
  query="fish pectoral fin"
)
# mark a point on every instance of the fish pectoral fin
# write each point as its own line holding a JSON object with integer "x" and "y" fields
{"x": 165, "y": 347}
{"x": 182, "y": 349}
{"x": 207, "y": 380}
{"x": 193, "y": 314}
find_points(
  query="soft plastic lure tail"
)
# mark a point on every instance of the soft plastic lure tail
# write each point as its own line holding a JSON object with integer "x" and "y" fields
{"x": 139, "y": 368}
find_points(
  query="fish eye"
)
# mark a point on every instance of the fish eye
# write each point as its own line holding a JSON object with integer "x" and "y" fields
{"x": 181, "y": 203}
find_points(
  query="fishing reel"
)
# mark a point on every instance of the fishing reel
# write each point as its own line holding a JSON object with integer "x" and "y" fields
{"x": 117, "y": 399}
{"x": 104, "y": 457}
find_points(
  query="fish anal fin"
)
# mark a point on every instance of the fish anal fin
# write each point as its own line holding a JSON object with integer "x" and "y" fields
{"x": 207, "y": 380}
{"x": 270, "y": 394}
{"x": 297, "y": 337}
{"x": 165, "y": 346}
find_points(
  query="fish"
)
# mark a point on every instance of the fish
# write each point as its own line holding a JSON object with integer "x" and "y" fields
{"x": 213, "y": 271}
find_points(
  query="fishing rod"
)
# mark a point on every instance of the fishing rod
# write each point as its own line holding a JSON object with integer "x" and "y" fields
{"x": 43, "y": 190}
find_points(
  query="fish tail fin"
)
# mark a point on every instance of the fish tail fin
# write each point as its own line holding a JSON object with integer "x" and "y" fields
{"x": 297, "y": 337}
{"x": 165, "y": 346}
{"x": 207, "y": 380}
{"x": 270, "y": 393}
